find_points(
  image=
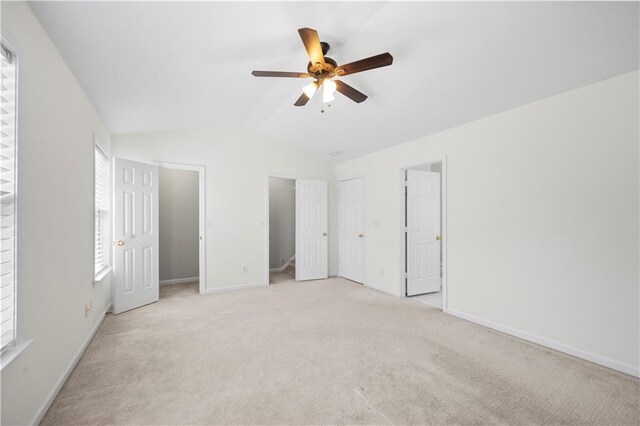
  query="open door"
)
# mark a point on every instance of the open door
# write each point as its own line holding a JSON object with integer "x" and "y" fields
{"x": 311, "y": 229}
{"x": 351, "y": 229}
{"x": 423, "y": 232}
{"x": 136, "y": 234}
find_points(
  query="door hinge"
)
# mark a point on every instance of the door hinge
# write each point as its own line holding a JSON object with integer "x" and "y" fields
{"x": 405, "y": 275}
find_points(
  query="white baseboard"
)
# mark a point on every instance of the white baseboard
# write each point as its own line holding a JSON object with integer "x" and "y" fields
{"x": 54, "y": 392}
{"x": 234, "y": 287}
{"x": 382, "y": 289}
{"x": 180, "y": 280}
{"x": 597, "y": 359}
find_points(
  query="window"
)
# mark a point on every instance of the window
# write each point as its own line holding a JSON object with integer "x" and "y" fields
{"x": 102, "y": 254}
{"x": 8, "y": 199}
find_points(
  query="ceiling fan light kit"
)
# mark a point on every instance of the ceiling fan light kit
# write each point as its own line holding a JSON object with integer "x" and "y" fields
{"x": 323, "y": 70}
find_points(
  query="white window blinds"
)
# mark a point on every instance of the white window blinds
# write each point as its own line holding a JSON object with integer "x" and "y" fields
{"x": 102, "y": 254}
{"x": 8, "y": 196}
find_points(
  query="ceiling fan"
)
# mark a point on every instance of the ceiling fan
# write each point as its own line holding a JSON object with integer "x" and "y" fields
{"x": 323, "y": 70}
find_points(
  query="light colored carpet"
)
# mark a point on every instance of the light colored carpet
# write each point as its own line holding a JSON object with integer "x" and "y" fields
{"x": 326, "y": 352}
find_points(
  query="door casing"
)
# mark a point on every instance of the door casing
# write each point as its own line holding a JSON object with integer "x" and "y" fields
{"x": 443, "y": 219}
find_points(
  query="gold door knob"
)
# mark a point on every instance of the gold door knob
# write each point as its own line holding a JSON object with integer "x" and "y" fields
{"x": 438, "y": 238}
{"x": 360, "y": 235}
{"x": 120, "y": 243}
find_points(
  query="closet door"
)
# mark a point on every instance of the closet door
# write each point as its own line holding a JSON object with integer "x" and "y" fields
{"x": 351, "y": 229}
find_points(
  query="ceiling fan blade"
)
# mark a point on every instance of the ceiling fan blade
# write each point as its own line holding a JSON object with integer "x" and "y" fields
{"x": 312, "y": 44}
{"x": 350, "y": 92}
{"x": 279, "y": 74}
{"x": 382, "y": 60}
{"x": 302, "y": 100}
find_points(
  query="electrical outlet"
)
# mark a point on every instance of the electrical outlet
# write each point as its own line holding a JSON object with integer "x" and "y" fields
{"x": 88, "y": 308}
{"x": 381, "y": 271}
{"x": 245, "y": 269}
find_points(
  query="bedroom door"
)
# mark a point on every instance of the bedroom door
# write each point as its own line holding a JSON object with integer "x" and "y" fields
{"x": 136, "y": 234}
{"x": 311, "y": 229}
{"x": 423, "y": 232}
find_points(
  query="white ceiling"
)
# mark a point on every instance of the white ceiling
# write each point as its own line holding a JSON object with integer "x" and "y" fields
{"x": 157, "y": 66}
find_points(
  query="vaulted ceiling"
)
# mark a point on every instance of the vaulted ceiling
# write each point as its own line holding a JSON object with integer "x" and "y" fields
{"x": 162, "y": 66}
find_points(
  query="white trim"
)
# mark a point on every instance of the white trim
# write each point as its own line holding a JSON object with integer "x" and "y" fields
{"x": 588, "y": 356}
{"x": 380, "y": 289}
{"x": 54, "y": 392}
{"x": 235, "y": 287}
{"x": 202, "y": 215}
{"x": 179, "y": 280}
{"x": 364, "y": 219}
{"x": 443, "y": 224}
{"x": 285, "y": 266}
{"x": 11, "y": 352}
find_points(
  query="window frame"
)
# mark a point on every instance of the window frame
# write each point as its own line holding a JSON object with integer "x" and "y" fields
{"x": 17, "y": 344}
{"x": 102, "y": 273}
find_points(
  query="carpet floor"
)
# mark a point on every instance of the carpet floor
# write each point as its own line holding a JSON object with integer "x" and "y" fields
{"x": 326, "y": 352}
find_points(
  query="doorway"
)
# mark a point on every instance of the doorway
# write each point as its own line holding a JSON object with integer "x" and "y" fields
{"x": 282, "y": 229}
{"x": 310, "y": 258}
{"x": 423, "y": 207}
{"x": 181, "y": 222}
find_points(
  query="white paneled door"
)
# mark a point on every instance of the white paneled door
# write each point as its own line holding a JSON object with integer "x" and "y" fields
{"x": 136, "y": 234}
{"x": 311, "y": 229}
{"x": 351, "y": 229}
{"x": 423, "y": 232}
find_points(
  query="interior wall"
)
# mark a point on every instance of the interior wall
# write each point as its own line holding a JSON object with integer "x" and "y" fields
{"x": 237, "y": 164}
{"x": 56, "y": 124}
{"x": 178, "y": 224}
{"x": 282, "y": 221}
{"x": 540, "y": 239}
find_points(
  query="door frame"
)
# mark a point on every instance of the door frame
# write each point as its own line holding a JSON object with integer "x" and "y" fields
{"x": 266, "y": 220}
{"x": 202, "y": 208}
{"x": 402, "y": 290}
{"x": 364, "y": 221}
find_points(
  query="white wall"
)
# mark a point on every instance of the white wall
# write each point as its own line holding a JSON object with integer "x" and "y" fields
{"x": 55, "y": 246}
{"x": 237, "y": 164}
{"x": 542, "y": 218}
{"x": 282, "y": 221}
{"x": 178, "y": 224}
